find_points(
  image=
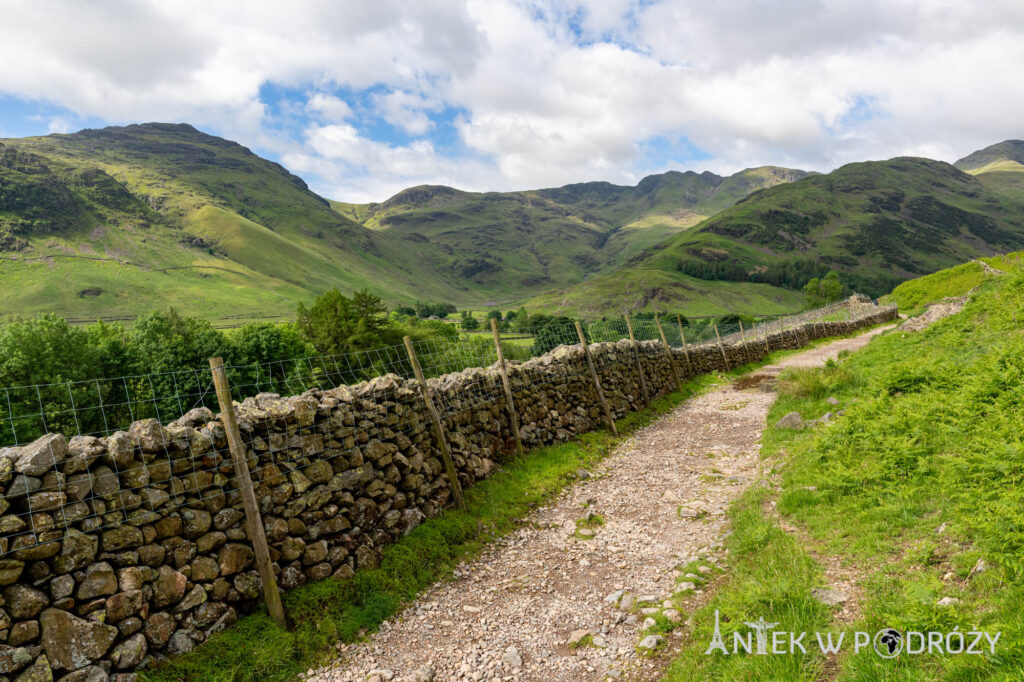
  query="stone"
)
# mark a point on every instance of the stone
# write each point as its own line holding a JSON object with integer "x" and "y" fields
{"x": 92, "y": 673}
{"x": 793, "y": 420}
{"x": 180, "y": 643}
{"x": 123, "y": 605}
{"x": 832, "y": 400}
{"x": 41, "y": 455}
{"x": 120, "y": 450}
{"x": 651, "y": 642}
{"x": 227, "y": 517}
{"x": 99, "y": 581}
{"x": 511, "y": 658}
{"x": 424, "y": 673}
{"x": 829, "y": 597}
{"x": 24, "y": 602}
{"x": 149, "y": 435}
{"x": 23, "y": 633}
{"x": 315, "y": 553}
{"x": 672, "y": 615}
{"x": 210, "y": 542}
{"x": 248, "y": 585}
{"x": 577, "y": 636}
{"x": 128, "y": 654}
{"x": 10, "y": 570}
{"x": 947, "y": 601}
{"x": 626, "y": 603}
{"x": 204, "y": 569}
{"x": 129, "y": 626}
{"x": 168, "y": 587}
{"x": 13, "y": 659}
{"x": 158, "y": 628}
{"x": 70, "y": 642}
{"x": 40, "y": 671}
{"x": 194, "y": 598}
{"x": 233, "y": 558}
{"x": 195, "y": 523}
{"x": 648, "y": 623}
{"x": 124, "y": 537}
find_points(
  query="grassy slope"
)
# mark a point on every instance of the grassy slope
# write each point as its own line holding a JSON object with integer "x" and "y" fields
{"x": 141, "y": 195}
{"x": 645, "y": 290}
{"x": 930, "y": 436}
{"x": 506, "y": 244}
{"x": 874, "y": 221}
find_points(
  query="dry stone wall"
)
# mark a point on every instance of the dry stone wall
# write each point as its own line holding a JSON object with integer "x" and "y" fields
{"x": 122, "y": 550}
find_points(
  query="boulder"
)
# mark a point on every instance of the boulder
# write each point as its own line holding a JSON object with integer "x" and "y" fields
{"x": 99, "y": 581}
{"x": 793, "y": 420}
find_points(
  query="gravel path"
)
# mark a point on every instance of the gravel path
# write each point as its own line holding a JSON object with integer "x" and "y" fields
{"x": 509, "y": 614}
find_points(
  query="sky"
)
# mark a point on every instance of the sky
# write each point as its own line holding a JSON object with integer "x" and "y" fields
{"x": 363, "y": 98}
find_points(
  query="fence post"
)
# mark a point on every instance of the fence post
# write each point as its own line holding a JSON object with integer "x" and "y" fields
{"x": 639, "y": 364}
{"x": 686, "y": 350}
{"x": 597, "y": 382}
{"x": 743, "y": 342}
{"x": 668, "y": 351}
{"x": 446, "y": 453}
{"x": 721, "y": 347}
{"x": 253, "y": 520}
{"x": 764, "y": 330}
{"x": 512, "y": 415}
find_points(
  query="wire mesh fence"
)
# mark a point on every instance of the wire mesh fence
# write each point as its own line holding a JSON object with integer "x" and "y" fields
{"x": 161, "y": 449}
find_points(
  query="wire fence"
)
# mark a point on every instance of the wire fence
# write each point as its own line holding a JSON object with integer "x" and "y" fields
{"x": 162, "y": 450}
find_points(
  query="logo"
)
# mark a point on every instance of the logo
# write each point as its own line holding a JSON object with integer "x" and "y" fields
{"x": 763, "y": 638}
{"x": 888, "y": 643}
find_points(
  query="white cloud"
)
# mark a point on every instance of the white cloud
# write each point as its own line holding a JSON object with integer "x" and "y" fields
{"x": 552, "y": 91}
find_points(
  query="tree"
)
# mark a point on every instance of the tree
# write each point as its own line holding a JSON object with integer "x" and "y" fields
{"x": 819, "y": 292}
{"x": 494, "y": 315}
{"x": 406, "y": 310}
{"x": 469, "y": 323}
{"x": 337, "y": 324}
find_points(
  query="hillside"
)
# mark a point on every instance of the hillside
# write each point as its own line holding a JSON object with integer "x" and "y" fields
{"x": 505, "y": 244}
{"x": 117, "y": 221}
{"x": 999, "y": 167}
{"x": 878, "y": 223}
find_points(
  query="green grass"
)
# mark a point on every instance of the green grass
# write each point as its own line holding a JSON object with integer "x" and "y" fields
{"x": 912, "y": 296}
{"x": 653, "y": 290}
{"x": 930, "y": 436}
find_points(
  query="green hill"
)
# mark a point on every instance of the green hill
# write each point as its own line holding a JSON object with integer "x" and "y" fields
{"x": 117, "y": 221}
{"x": 121, "y": 220}
{"x": 505, "y": 244}
{"x": 878, "y": 223}
{"x": 999, "y": 167}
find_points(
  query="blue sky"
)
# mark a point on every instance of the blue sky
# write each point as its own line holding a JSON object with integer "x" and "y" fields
{"x": 363, "y": 99}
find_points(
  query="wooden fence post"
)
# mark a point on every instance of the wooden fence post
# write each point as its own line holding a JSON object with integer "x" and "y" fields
{"x": 743, "y": 341}
{"x": 442, "y": 441}
{"x": 725, "y": 359}
{"x": 512, "y": 415}
{"x": 253, "y": 520}
{"x": 639, "y": 364}
{"x": 597, "y": 382}
{"x": 686, "y": 349}
{"x": 668, "y": 351}
{"x": 764, "y": 330}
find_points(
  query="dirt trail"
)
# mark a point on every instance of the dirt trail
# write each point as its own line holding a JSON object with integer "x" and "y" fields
{"x": 509, "y": 613}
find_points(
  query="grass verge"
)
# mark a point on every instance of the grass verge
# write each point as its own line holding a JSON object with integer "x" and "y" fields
{"x": 916, "y": 488}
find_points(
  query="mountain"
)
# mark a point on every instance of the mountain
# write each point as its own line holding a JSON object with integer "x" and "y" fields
{"x": 878, "y": 223}
{"x": 505, "y": 244}
{"x": 999, "y": 167}
{"x": 117, "y": 221}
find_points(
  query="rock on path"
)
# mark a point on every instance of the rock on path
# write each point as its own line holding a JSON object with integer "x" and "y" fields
{"x": 510, "y": 613}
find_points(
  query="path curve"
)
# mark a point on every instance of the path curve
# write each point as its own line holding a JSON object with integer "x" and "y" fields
{"x": 508, "y": 614}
